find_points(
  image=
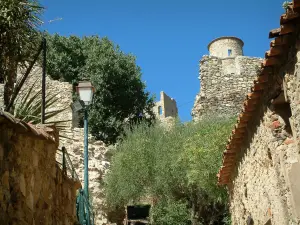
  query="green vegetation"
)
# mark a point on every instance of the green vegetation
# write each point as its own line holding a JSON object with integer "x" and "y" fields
{"x": 120, "y": 97}
{"x": 19, "y": 37}
{"x": 178, "y": 166}
{"x": 27, "y": 107}
{"x": 170, "y": 212}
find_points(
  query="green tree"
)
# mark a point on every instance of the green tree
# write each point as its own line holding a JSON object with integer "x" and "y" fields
{"x": 180, "y": 164}
{"x": 19, "y": 37}
{"x": 120, "y": 98}
{"x": 65, "y": 58}
{"x": 171, "y": 212}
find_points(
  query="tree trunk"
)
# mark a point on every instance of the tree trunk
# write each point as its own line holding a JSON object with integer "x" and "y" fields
{"x": 10, "y": 76}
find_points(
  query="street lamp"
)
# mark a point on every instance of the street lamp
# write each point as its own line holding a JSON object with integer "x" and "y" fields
{"x": 86, "y": 91}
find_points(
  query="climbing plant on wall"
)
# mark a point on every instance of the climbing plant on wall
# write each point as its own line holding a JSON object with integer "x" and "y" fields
{"x": 19, "y": 38}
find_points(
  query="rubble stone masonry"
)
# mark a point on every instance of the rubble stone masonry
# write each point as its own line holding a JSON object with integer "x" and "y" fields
{"x": 33, "y": 189}
{"x": 98, "y": 167}
{"x": 266, "y": 183}
{"x": 224, "y": 84}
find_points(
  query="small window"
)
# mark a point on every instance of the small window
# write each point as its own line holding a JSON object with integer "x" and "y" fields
{"x": 229, "y": 52}
{"x": 159, "y": 110}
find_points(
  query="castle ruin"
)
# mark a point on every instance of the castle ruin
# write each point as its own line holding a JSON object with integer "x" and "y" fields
{"x": 165, "y": 107}
{"x": 225, "y": 78}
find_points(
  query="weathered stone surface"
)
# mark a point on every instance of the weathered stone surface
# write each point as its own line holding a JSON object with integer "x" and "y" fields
{"x": 98, "y": 167}
{"x": 294, "y": 179}
{"x": 224, "y": 85}
{"x": 226, "y": 47}
{"x": 259, "y": 186}
{"x": 267, "y": 174}
{"x": 29, "y": 193}
{"x": 165, "y": 107}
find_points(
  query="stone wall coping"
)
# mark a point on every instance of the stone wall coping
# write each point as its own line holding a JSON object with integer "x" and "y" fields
{"x": 48, "y": 133}
{"x": 208, "y": 57}
{"x": 273, "y": 60}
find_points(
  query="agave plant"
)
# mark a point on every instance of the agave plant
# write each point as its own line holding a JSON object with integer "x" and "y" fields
{"x": 285, "y": 5}
{"x": 27, "y": 107}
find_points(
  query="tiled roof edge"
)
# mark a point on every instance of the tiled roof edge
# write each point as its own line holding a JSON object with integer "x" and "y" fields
{"x": 278, "y": 47}
{"x": 48, "y": 133}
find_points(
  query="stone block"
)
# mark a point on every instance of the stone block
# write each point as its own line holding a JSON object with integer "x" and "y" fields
{"x": 289, "y": 141}
{"x": 5, "y": 180}
{"x": 29, "y": 201}
{"x": 22, "y": 184}
{"x": 294, "y": 179}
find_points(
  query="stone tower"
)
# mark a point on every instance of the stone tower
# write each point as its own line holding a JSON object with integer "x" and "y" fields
{"x": 166, "y": 107}
{"x": 225, "y": 78}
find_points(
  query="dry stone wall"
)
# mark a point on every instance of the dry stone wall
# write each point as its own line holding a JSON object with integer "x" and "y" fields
{"x": 98, "y": 167}
{"x": 224, "y": 84}
{"x": 33, "y": 190}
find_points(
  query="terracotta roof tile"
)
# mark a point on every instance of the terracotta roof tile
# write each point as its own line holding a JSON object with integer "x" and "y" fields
{"x": 43, "y": 132}
{"x": 273, "y": 59}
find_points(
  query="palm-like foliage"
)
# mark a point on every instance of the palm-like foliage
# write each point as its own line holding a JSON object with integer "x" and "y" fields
{"x": 19, "y": 37}
{"x": 28, "y": 107}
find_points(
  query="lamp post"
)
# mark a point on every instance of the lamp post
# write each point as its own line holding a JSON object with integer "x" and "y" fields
{"x": 86, "y": 91}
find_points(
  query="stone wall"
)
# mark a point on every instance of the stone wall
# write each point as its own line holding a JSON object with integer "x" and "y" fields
{"x": 220, "y": 47}
{"x": 224, "y": 84}
{"x": 98, "y": 167}
{"x": 33, "y": 190}
{"x": 266, "y": 182}
{"x": 261, "y": 187}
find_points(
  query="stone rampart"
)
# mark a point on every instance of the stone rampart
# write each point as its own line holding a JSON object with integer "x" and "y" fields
{"x": 224, "y": 84}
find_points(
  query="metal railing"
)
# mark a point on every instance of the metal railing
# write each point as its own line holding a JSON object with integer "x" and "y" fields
{"x": 84, "y": 209}
{"x": 85, "y": 213}
{"x": 66, "y": 164}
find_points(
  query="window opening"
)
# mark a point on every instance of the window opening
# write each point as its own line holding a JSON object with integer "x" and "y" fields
{"x": 229, "y": 52}
{"x": 159, "y": 110}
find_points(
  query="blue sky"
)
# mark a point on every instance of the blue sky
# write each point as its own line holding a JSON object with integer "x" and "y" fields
{"x": 168, "y": 37}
